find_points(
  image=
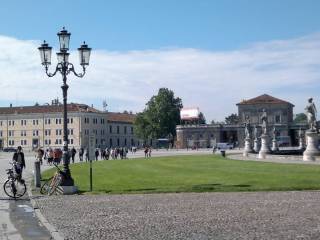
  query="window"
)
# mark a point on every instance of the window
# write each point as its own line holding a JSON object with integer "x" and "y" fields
{"x": 131, "y": 130}
{"x": 86, "y": 120}
{"x": 118, "y": 142}
{"x": 23, "y": 142}
{"x": 35, "y": 133}
{"x": 70, "y": 131}
{"x": 0, "y": 133}
{"x": 58, "y": 132}
{"x": 11, "y": 122}
{"x": 11, "y": 133}
{"x": 125, "y": 142}
{"x": 278, "y": 119}
{"x": 110, "y": 129}
{"x": 110, "y": 142}
{"x": 23, "y": 122}
{"x": 125, "y": 129}
{"x": 58, "y": 121}
{"x": 11, "y": 142}
{"x": 102, "y": 121}
{"x": 47, "y": 121}
{"x": 118, "y": 129}
{"x": 35, "y": 122}
{"x": 102, "y": 132}
{"x": 86, "y": 132}
{"x": 58, "y": 141}
{"x": 23, "y": 133}
{"x": 0, "y": 123}
{"x": 47, "y": 132}
{"x": 70, "y": 141}
{"x": 132, "y": 142}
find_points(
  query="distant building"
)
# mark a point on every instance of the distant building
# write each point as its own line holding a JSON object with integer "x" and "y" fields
{"x": 280, "y": 115}
{"x": 42, "y": 126}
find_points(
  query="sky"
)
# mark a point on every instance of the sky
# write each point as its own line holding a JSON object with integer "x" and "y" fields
{"x": 211, "y": 53}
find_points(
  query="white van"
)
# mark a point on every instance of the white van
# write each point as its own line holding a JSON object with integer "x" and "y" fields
{"x": 224, "y": 146}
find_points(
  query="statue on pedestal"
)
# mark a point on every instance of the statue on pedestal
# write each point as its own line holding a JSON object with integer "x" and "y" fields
{"x": 311, "y": 112}
{"x": 264, "y": 120}
{"x": 311, "y": 134}
{"x": 255, "y": 132}
{"x": 247, "y": 128}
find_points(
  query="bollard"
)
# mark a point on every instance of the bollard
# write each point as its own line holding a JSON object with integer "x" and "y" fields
{"x": 37, "y": 174}
{"x": 223, "y": 153}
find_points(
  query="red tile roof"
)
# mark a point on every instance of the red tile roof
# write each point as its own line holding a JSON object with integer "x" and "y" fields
{"x": 120, "y": 117}
{"x": 72, "y": 107}
{"x": 264, "y": 99}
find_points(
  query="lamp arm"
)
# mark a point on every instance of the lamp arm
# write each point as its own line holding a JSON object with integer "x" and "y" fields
{"x": 80, "y": 75}
{"x": 58, "y": 67}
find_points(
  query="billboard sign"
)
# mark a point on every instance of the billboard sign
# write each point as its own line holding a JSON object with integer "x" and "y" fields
{"x": 189, "y": 113}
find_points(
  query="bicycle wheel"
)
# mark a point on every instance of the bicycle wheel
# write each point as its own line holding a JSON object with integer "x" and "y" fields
{"x": 46, "y": 187}
{"x": 7, "y": 187}
{"x": 21, "y": 188}
{"x": 54, "y": 184}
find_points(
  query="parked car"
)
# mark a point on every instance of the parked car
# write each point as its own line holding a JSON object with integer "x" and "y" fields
{"x": 9, "y": 149}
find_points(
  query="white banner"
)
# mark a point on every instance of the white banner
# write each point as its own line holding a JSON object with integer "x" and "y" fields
{"x": 189, "y": 113}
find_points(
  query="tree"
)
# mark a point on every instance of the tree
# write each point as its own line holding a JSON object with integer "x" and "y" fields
{"x": 202, "y": 119}
{"x": 300, "y": 118}
{"x": 160, "y": 117}
{"x": 232, "y": 119}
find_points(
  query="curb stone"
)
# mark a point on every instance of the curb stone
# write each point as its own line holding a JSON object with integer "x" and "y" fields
{"x": 52, "y": 230}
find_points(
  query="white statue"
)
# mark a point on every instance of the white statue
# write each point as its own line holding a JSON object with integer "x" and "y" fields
{"x": 311, "y": 112}
{"x": 255, "y": 132}
{"x": 247, "y": 127}
{"x": 274, "y": 132}
{"x": 264, "y": 120}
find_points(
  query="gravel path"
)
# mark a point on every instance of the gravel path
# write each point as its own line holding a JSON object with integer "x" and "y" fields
{"x": 262, "y": 215}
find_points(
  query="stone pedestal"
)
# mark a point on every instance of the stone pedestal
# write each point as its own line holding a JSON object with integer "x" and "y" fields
{"x": 274, "y": 147}
{"x": 256, "y": 145}
{"x": 302, "y": 144}
{"x": 312, "y": 146}
{"x": 264, "y": 150}
{"x": 247, "y": 147}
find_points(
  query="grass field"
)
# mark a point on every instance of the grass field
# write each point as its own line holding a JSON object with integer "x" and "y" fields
{"x": 206, "y": 173}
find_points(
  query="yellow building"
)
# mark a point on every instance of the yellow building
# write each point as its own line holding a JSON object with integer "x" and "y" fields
{"x": 42, "y": 126}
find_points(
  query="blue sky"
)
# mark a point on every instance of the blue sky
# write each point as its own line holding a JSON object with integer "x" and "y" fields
{"x": 189, "y": 46}
{"x": 141, "y": 24}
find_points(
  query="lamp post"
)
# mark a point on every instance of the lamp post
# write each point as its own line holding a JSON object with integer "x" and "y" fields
{"x": 65, "y": 67}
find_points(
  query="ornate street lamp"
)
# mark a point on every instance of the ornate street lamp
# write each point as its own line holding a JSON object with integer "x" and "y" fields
{"x": 65, "y": 67}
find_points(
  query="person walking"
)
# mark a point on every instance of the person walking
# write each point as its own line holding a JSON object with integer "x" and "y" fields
{"x": 86, "y": 154}
{"x": 96, "y": 154}
{"x": 81, "y": 154}
{"x": 19, "y": 161}
{"x": 50, "y": 156}
{"x": 73, "y": 154}
{"x": 39, "y": 155}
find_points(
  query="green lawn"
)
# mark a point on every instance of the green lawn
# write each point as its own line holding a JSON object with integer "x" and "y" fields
{"x": 206, "y": 173}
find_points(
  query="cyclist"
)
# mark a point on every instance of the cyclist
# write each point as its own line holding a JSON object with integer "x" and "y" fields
{"x": 18, "y": 159}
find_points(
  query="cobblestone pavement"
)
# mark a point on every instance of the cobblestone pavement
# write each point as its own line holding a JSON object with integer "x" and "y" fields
{"x": 263, "y": 215}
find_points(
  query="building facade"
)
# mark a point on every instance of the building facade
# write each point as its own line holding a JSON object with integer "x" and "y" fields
{"x": 42, "y": 126}
{"x": 280, "y": 116}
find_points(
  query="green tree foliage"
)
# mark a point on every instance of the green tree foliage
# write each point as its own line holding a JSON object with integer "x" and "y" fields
{"x": 160, "y": 117}
{"x": 202, "y": 119}
{"x": 232, "y": 119}
{"x": 300, "y": 118}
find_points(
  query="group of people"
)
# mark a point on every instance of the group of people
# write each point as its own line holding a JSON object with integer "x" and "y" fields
{"x": 104, "y": 153}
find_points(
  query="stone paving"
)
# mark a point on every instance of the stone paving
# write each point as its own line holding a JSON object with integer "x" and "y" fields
{"x": 263, "y": 215}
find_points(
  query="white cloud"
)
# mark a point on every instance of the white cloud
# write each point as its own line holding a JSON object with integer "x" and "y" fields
{"x": 214, "y": 81}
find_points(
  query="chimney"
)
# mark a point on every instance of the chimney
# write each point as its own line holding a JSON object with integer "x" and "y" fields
{"x": 11, "y": 105}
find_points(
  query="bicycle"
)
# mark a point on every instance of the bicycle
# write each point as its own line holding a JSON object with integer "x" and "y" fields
{"x": 14, "y": 186}
{"x": 51, "y": 185}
